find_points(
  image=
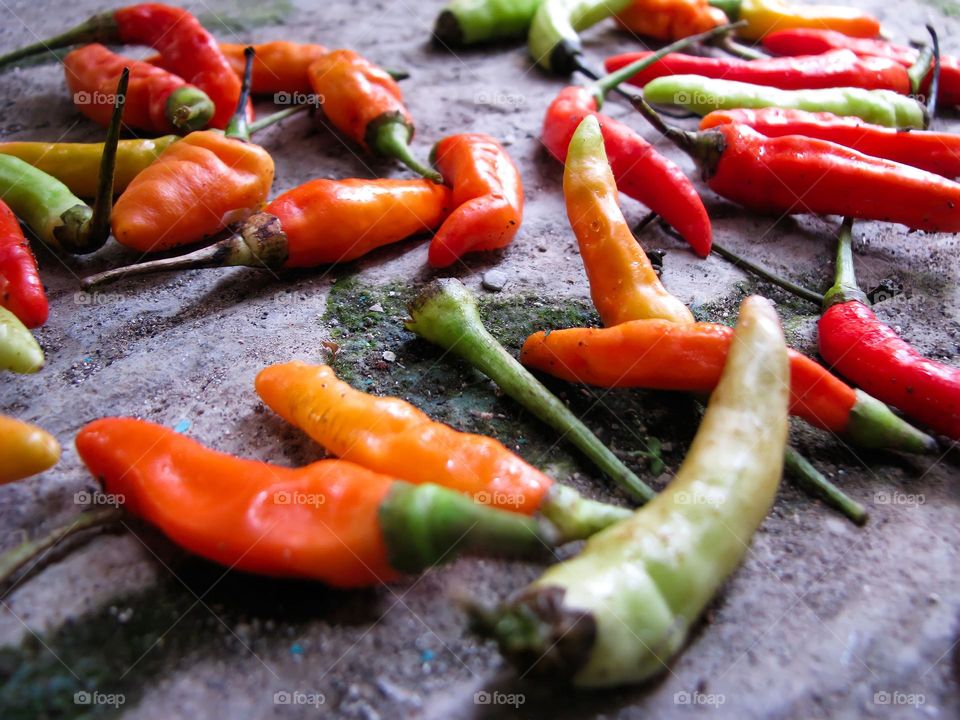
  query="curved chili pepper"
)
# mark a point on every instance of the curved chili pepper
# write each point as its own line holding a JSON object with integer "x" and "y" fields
{"x": 331, "y": 521}
{"x": 858, "y": 345}
{"x": 157, "y": 101}
{"x": 812, "y": 41}
{"x": 553, "y": 42}
{"x": 468, "y": 22}
{"x": 25, "y": 450}
{"x": 363, "y": 102}
{"x": 322, "y": 221}
{"x": 391, "y": 436}
{"x": 188, "y": 50}
{"x": 661, "y": 355}
{"x": 640, "y": 171}
{"x": 670, "y": 19}
{"x": 623, "y": 283}
{"x": 703, "y": 95}
{"x": 839, "y": 68}
{"x": 21, "y": 290}
{"x": 935, "y": 152}
{"x": 766, "y": 16}
{"x": 19, "y": 350}
{"x": 197, "y": 187}
{"x": 623, "y": 607}
{"x": 487, "y": 195}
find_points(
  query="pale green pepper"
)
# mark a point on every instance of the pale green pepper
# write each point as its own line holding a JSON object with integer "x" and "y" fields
{"x": 553, "y": 41}
{"x": 468, "y": 22}
{"x": 19, "y": 350}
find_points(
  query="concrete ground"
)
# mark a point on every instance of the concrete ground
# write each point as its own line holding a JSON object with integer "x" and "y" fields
{"x": 824, "y": 619}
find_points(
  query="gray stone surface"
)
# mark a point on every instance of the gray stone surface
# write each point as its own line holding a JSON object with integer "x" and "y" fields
{"x": 821, "y": 617}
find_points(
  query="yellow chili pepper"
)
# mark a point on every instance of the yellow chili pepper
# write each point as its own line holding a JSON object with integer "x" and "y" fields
{"x": 25, "y": 450}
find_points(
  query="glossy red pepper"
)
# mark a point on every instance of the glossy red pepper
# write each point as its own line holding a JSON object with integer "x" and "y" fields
{"x": 936, "y": 152}
{"x": 811, "y": 42}
{"x": 487, "y": 195}
{"x": 837, "y": 68}
{"x": 21, "y": 291}
{"x": 640, "y": 171}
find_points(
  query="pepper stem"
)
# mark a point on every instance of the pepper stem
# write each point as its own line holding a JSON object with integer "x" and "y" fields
{"x": 391, "y": 139}
{"x": 237, "y": 127}
{"x": 730, "y": 8}
{"x": 874, "y": 425}
{"x": 918, "y": 71}
{"x": 12, "y": 560}
{"x": 732, "y": 47}
{"x": 260, "y": 242}
{"x": 814, "y": 483}
{"x": 760, "y": 271}
{"x": 446, "y": 314}
{"x": 577, "y": 517}
{"x": 424, "y": 525}
{"x": 934, "y": 91}
{"x": 276, "y": 117}
{"x": 100, "y": 28}
{"x": 189, "y": 108}
{"x": 844, "y": 286}
{"x": 98, "y": 229}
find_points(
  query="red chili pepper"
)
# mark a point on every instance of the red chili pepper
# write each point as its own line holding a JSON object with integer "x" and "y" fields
{"x": 838, "y": 68}
{"x": 641, "y": 172}
{"x": 872, "y": 355}
{"x": 813, "y": 42}
{"x": 157, "y": 100}
{"x": 487, "y": 195}
{"x": 21, "y": 291}
{"x": 935, "y": 152}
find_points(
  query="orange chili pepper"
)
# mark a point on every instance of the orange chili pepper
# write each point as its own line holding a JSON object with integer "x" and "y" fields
{"x": 487, "y": 195}
{"x": 661, "y": 355}
{"x": 363, "y": 102}
{"x": 157, "y": 100}
{"x": 196, "y": 187}
{"x": 331, "y": 521}
{"x": 670, "y": 19}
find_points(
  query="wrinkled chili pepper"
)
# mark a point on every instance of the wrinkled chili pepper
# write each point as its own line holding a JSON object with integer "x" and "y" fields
{"x": 936, "y": 152}
{"x": 390, "y": 436}
{"x": 157, "y": 101}
{"x": 196, "y": 187}
{"x": 839, "y": 68}
{"x": 468, "y": 22}
{"x": 363, "y": 102}
{"x": 662, "y": 355}
{"x": 25, "y": 450}
{"x": 623, "y": 283}
{"x": 445, "y": 313}
{"x": 870, "y": 353}
{"x": 55, "y": 215}
{"x": 331, "y": 521}
{"x": 621, "y": 609}
{"x": 487, "y": 195}
{"x": 19, "y": 350}
{"x": 670, "y": 19}
{"x": 553, "y": 42}
{"x": 703, "y": 95}
{"x": 188, "y": 50}
{"x": 322, "y": 221}
{"x": 766, "y": 16}
{"x": 21, "y": 290}
{"x": 811, "y": 41}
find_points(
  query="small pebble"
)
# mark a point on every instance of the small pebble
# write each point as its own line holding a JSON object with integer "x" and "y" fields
{"x": 389, "y": 355}
{"x": 376, "y": 307}
{"x": 494, "y": 280}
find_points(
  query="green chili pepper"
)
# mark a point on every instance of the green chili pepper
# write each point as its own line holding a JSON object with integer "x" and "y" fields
{"x": 618, "y": 611}
{"x": 703, "y": 95}
{"x": 467, "y": 22}
{"x": 55, "y": 215}
{"x": 446, "y": 314}
{"x": 19, "y": 350}
{"x": 553, "y": 41}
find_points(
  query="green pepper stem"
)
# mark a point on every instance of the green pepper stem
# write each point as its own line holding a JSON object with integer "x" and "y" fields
{"x": 934, "y": 91}
{"x": 732, "y": 47}
{"x": 100, "y": 28}
{"x": 260, "y": 242}
{"x": 237, "y": 127}
{"x": 397, "y": 75}
{"x": 844, "y": 286}
{"x": 424, "y": 525}
{"x": 602, "y": 86}
{"x": 760, "y": 271}
{"x": 814, "y": 483}
{"x": 98, "y": 229}
{"x": 276, "y": 117}
{"x": 391, "y": 139}
{"x": 12, "y": 560}
{"x": 730, "y": 8}
{"x": 874, "y": 425}
{"x": 577, "y": 517}
{"x": 446, "y": 314}
{"x": 921, "y": 66}
{"x": 189, "y": 108}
